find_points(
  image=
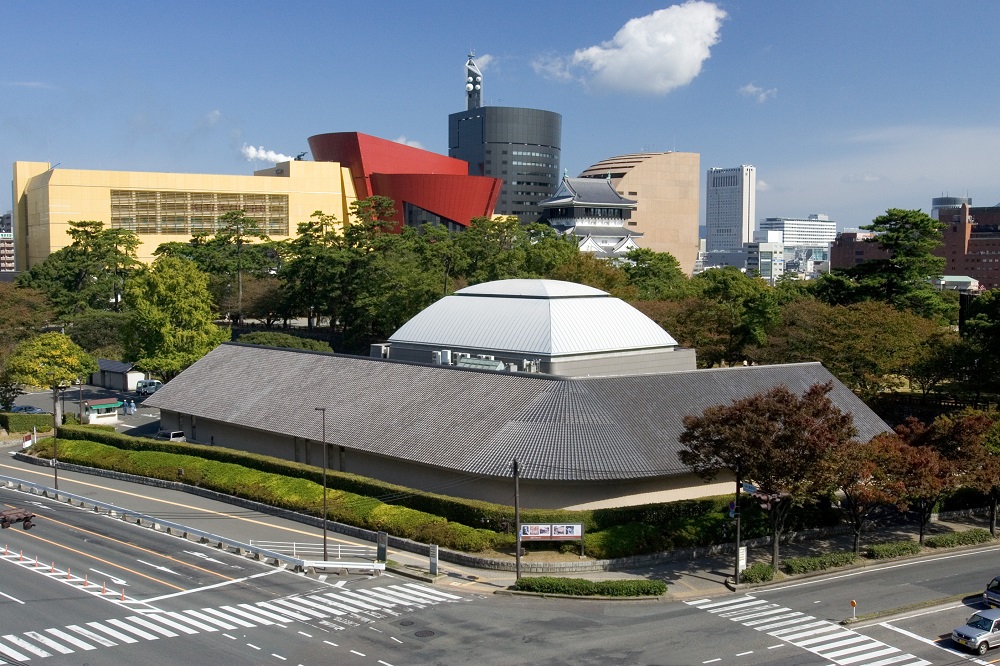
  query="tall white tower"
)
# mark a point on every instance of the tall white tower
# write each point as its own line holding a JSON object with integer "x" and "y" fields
{"x": 473, "y": 85}
{"x": 730, "y": 207}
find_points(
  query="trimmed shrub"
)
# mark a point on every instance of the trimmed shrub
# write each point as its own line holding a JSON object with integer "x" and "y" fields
{"x": 583, "y": 587}
{"x": 758, "y": 572}
{"x": 18, "y": 422}
{"x": 966, "y": 538}
{"x": 800, "y": 565}
{"x": 884, "y": 551}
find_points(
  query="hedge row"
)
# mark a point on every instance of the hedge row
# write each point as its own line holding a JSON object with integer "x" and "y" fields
{"x": 287, "y": 492}
{"x": 967, "y": 538}
{"x": 800, "y": 565}
{"x": 885, "y": 551}
{"x": 582, "y": 587}
{"x": 18, "y": 422}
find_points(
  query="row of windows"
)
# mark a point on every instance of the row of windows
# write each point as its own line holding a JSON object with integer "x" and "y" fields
{"x": 541, "y": 164}
{"x": 526, "y": 153}
{"x": 189, "y": 213}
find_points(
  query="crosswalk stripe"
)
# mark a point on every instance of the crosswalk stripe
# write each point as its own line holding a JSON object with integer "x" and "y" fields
{"x": 294, "y": 609}
{"x": 867, "y": 647}
{"x": 340, "y": 607}
{"x": 784, "y": 623}
{"x": 440, "y": 593}
{"x": 239, "y": 621}
{"x": 112, "y": 632}
{"x": 787, "y": 613}
{"x": 898, "y": 658}
{"x": 802, "y": 630}
{"x": 132, "y": 630}
{"x": 21, "y": 643}
{"x": 716, "y": 604}
{"x": 832, "y": 650}
{"x": 401, "y": 598}
{"x": 822, "y": 639}
{"x": 382, "y": 598}
{"x": 339, "y": 602}
{"x": 151, "y": 626}
{"x": 326, "y": 608}
{"x": 736, "y": 607}
{"x": 13, "y": 654}
{"x": 868, "y": 655}
{"x": 162, "y": 618}
{"x": 279, "y": 610}
{"x": 770, "y": 609}
{"x": 72, "y": 640}
{"x": 362, "y": 601}
{"x": 48, "y": 642}
{"x": 258, "y": 618}
{"x": 200, "y": 626}
{"x": 205, "y": 618}
{"x": 89, "y": 635}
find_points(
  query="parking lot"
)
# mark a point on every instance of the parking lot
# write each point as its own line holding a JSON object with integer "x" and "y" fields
{"x": 145, "y": 421}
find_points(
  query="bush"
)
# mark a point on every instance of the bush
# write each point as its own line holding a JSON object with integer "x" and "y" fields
{"x": 19, "y": 422}
{"x": 964, "y": 498}
{"x": 758, "y": 572}
{"x": 884, "y": 551}
{"x": 800, "y": 565}
{"x": 583, "y": 587}
{"x": 966, "y": 538}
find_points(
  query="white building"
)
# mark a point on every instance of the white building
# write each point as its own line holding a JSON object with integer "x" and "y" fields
{"x": 766, "y": 256}
{"x": 730, "y": 207}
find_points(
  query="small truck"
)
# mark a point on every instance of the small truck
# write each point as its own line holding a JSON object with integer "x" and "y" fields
{"x": 10, "y": 516}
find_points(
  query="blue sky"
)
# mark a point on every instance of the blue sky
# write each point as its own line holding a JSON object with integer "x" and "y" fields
{"x": 846, "y": 108}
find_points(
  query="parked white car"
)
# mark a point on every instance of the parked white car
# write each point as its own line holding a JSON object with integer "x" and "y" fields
{"x": 147, "y": 386}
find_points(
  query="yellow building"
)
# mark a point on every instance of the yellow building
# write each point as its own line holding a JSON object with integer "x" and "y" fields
{"x": 665, "y": 187}
{"x": 165, "y": 207}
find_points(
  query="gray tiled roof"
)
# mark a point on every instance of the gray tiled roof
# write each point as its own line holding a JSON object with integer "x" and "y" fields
{"x": 474, "y": 422}
{"x": 105, "y": 365}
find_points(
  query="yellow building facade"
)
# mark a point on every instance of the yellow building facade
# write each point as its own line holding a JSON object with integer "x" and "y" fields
{"x": 168, "y": 207}
{"x": 666, "y": 188}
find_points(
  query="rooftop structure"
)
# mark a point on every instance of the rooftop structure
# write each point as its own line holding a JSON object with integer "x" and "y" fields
{"x": 591, "y": 210}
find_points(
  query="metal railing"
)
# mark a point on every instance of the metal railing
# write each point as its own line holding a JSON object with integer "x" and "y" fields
{"x": 257, "y": 552}
{"x": 308, "y": 550}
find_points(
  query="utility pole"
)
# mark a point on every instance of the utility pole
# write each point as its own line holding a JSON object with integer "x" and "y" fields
{"x": 739, "y": 487}
{"x": 517, "y": 524}
{"x": 322, "y": 410}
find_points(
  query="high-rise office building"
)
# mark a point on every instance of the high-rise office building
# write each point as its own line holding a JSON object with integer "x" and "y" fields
{"x": 519, "y": 146}
{"x": 730, "y": 207}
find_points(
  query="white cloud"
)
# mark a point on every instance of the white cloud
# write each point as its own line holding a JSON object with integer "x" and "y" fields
{"x": 27, "y": 84}
{"x": 409, "y": 142}
{"x": 762, "y": 185}
{"x": 262, "y": 155}
{"x": 761, "y": 95}
{"x": 212, "y": 117}
{"x": 484, "y": 61}
{"x": 652, "y": 54}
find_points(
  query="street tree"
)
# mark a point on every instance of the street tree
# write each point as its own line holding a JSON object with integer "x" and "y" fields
{"x": 52, "y": 361}
{"x": 777, "y": 440}
{"x": 868, "y": 477}
{"x": 170, "y": 319}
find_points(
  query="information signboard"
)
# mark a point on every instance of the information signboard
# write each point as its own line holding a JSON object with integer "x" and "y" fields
{"x": 551, "y": 531}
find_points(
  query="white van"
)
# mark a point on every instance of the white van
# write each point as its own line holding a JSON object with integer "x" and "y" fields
{"x": 147, "y": 386}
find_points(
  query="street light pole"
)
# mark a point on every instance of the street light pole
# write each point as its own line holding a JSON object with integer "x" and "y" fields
{"x": 323, "y": 411}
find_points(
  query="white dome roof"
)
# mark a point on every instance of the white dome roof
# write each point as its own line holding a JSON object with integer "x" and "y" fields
{"x": 535, "y": 317}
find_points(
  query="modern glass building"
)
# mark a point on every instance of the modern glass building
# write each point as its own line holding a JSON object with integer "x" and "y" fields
{"x": 730, "y": 207}
{"x": 519, "y": 146}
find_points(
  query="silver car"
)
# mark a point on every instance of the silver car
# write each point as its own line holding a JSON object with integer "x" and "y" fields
{"x": 981, "y": 631}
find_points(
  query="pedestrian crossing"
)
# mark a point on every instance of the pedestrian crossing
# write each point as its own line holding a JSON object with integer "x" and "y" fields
{"x": 337, "y": 607}
{"x": 828, "y": 640}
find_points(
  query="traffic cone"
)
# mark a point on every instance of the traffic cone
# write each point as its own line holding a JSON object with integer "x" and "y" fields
{"x": 67, "y": 573}
{"x": 123, "y": 594}
{"x": 52, "y": 569}
{"x": 85, "y": 581}
{"x": 104, "y": 588}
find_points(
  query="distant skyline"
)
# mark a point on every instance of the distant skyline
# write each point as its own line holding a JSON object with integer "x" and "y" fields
{"x": 846, "y": 108}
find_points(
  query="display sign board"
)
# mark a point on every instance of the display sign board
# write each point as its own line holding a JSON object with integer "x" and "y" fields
{"x": 742, "y": 559}
{"x": 551, "y": 531}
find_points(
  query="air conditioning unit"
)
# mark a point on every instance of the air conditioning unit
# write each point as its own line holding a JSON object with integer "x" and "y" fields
{"x": 436, "y": 357}
{"x": 379, "y": 351}
{"x": 445, "y": 357}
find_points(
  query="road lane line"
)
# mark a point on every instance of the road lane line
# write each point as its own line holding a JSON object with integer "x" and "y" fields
{"x": 11, "y": 653}
{"x": 231, "y": 581}
{"x": 89, "y": 635}
{"x": 25, "y": 645}
{"x": 124, "y": 626}
{"x": 142, "y": 622}
{"x": 4, "y": 594}
{"x": 72, "y": 640}
{"x": 48, "y": 642}
{"x": 210, "y": 620}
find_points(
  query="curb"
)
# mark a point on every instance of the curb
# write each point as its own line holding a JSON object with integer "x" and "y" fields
{"x": 580, "y": 597}
{"x": 865, "y": 564}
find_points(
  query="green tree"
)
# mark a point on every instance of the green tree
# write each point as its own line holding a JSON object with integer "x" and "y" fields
{"x": 275, "y": 339}
{"x": 496, "y": 249}
{"x": 50, "y": 360}
{"x": 170, "y": 320}
{"x": 585, "y": 268}
{"x": 89, "y": 273}
{"x": 656, "y": 275}
{"x": 315, "y": 267}
{"x": 99, "y": 332}
{"x": 777, "y": 440}
{"x": 238, "y": 230}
